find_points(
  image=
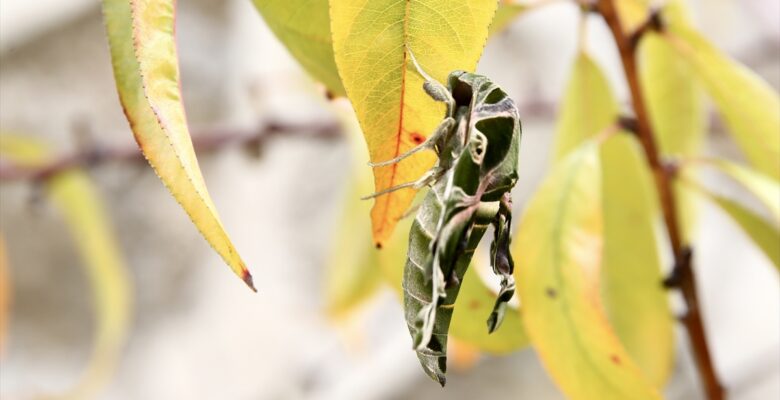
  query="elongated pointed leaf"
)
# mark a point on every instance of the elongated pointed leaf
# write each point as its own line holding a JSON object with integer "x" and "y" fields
{"x": 750, "y": 107}
{"x": 472, "y": 307}
{"x": 5, "y": 294}
{"x": 304, "y": 28}
{"x": 635, "y": 300}
{"x": 371, "y": 42}
{"x": 588, "y": 107}
{"x": 764, "y": 188}
{"x": 559, "y": 251}
{"x": 764, "y": 234}
{"x": 143, "y": 53}
{"x": 83, "y": 210}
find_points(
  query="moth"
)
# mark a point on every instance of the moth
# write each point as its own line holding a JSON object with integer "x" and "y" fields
{"x": 477, "y": 144}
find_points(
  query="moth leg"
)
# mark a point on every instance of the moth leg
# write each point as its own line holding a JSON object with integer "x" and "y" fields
{"x": 501, "y": 260}
{"x": 434, "y": 88}
{"x": 437, "y": 134}
{"x": 429, "y": 177}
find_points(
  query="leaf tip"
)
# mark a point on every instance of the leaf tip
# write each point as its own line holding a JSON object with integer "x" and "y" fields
{"x": 247, "y": 278}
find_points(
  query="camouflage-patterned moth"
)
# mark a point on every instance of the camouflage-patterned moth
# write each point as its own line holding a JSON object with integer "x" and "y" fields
{"x": 477, "y": 145}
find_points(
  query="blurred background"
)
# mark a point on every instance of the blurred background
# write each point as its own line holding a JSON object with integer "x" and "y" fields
{"x": 196, "y": 331}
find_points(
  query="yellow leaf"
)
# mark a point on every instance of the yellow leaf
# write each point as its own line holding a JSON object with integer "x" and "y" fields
{"x": 750, "y": 107}
{"x": 80, "y": 204}
{"x": 559, "y": 250}
{"x": 353, "y": 273}
{"x": 636, "y": 302}
{"x": 5, "y": 294}
{"x": 505, "y": 14}
{"x": 143, "y": 53}
{"x": 764, "y": 188}
{"x": 588, "y": 107}
{"x": 472, "y": 308}
{"x": 463, "y": 356}
{"x": 675, "y": 104}
{"x": 371, "y": 42}
{"x": 304, "y": 28}
{"x": 765, "y": 235}
{"x": 632, "y": 13}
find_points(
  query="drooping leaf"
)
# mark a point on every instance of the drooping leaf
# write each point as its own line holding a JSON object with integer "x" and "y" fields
{"x": 5, "y": 294}
{"x": 143, "y": 54}
{"x": 764, "y": 234}
{"x": 749, "y": 106}
{"x": 559, "y": 250}
{"x": 588, "y": 107}
{"x": 506, "y": 13}
{"x": 372, "y": 40}
{"x": 635, "y": 300}
{"x": 764, "y": 188}
{"x": 353, "y": 271}
{"x": 304, "y": 28}
{"x": 473, "y": 306}
{"x": 84, "y": 212}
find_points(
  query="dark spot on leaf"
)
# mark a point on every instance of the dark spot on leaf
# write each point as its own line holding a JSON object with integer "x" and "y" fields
{"x": 378, "y": 245}
{"x": 551, "y": 293}
{"x": 417, "y": 138}
{"x": 474, "y": 304}
{"x": 615, "y": 359}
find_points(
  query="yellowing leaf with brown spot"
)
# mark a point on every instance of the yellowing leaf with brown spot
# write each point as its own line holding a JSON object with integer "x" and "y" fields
{"x": 143, "y": 53}
{"x": 559, "y": 255}
{"x": 749, "y": 106}
{"x": 84, "y": 212}
{"x": 371, "y": 42}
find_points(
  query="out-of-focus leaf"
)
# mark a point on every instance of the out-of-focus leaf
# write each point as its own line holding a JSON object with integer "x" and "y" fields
{"x": 506, "y": 13}
{"x": 559, "y": 250}
{"x": 588, "y": 107}
{"x": 764, "y": 234}
{"x": 143, "y": 53}
{"x": 353, "y": 272}
{"x": 632, "y": 13}
{"x": 5, "y": 294}
{"x": 764, "y": 188}
{"x": 472, "y": 308}
{"x": 371, "y": 41}
{"x": 635, "y": 300}
{"x": 463, "y": 356}
{"x": 304, "y": 28}
{"x": 80, "y": 204}
{"x": 750, "y": 107}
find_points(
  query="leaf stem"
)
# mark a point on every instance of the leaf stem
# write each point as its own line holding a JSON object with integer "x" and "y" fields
{"x": 204, "y": 142}
{"x": 683, "y": 271}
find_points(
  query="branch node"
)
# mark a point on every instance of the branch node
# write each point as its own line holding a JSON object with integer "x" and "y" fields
{"x": 653, "y": 23}
{"x": 628, "y": 123}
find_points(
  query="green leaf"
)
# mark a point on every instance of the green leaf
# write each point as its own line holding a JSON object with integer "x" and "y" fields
{"x": 143, "y": 53}
{"x": 588, "y": 107}
{"x": 371, "y": 41}
{"x": 559, "y": 250}
{"x": 353, "y": 273}
{"x": 84, "y": 212}
{"x": 472, "y": 308}
{"x": 764, "y": 188}
{"x": 763, "y": 234}
{"x": 304, "y": 28}
{"x": 750, "y": 107}
{"x": 505, "y": 15}
{"x": 636, "y": 302}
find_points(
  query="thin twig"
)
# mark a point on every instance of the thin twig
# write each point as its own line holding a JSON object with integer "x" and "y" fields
{"x": 204, "y": 142}
{"x": 682, "y": 276}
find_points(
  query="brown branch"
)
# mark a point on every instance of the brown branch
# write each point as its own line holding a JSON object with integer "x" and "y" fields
{"x": 205, "y": 142}
{"x": 683, "y": 276}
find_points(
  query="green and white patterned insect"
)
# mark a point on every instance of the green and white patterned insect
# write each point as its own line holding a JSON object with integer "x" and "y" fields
{"x": 477, "y": 145}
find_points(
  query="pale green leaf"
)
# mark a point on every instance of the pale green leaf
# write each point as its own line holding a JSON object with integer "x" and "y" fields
{"x": 588, "y": 107}
{"x": 84, "y": 212}
{"x": 304, "y": 28}
{"x": 143, "y": 53}
{"x": 635, "y": 300}
{"x": 749, "y": 106}
{"x": 559, "y": 250}
{"x": 372, "y": 40}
